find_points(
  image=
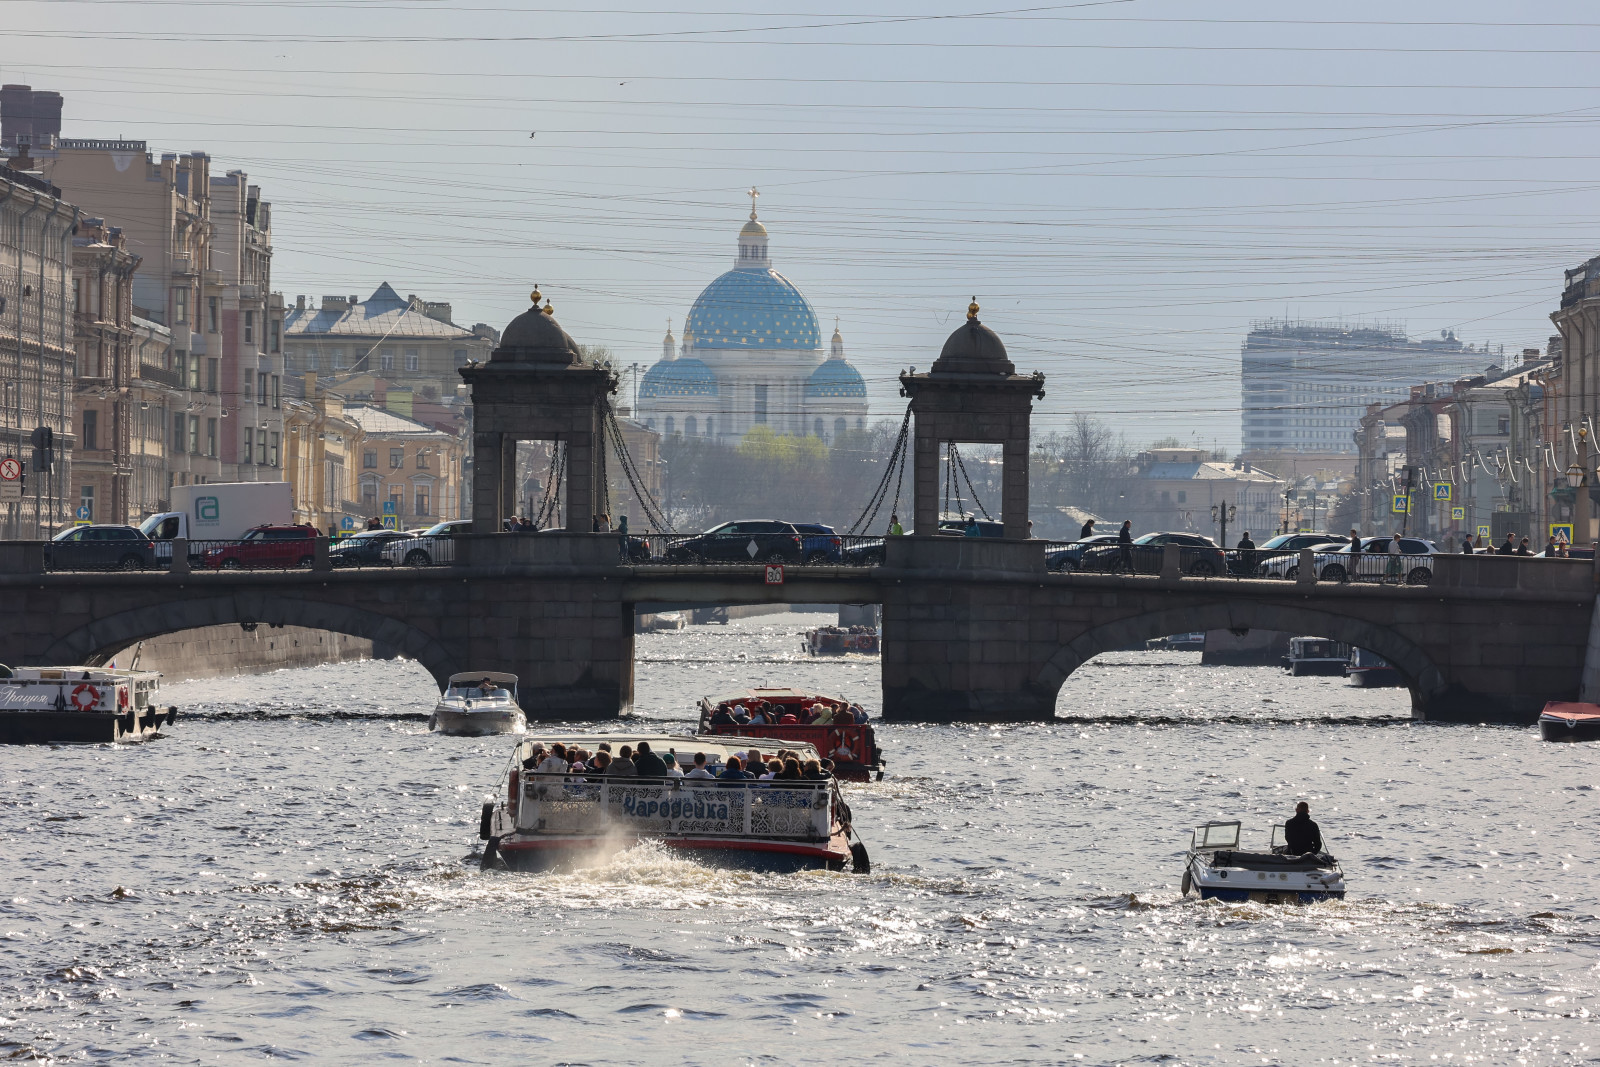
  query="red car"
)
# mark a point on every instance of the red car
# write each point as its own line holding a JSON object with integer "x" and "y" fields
{"x": 266, "y": 546}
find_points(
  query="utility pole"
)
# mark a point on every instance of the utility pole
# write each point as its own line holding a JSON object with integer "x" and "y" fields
{"x": 1405, "y": 516}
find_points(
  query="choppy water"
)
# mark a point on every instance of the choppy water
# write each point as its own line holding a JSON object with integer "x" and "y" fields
{"x": 291, "y": 875}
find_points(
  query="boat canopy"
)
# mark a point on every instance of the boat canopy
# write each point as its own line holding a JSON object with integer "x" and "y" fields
{"x": 474, "y": 677}
{"x": 1216, "y": 835}
{"x": 717, "y": 749}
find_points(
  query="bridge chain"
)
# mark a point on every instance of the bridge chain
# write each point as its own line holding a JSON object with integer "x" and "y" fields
{"x": 897, "y": 462}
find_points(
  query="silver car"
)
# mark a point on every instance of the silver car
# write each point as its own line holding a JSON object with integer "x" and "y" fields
{"x": 433, "y": 546}
{"x": 1413, "y": 564}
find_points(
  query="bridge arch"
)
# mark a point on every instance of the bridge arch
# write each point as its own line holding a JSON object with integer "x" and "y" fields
{"x": 101, "y": 639}
{"x": 1419, "y": 671}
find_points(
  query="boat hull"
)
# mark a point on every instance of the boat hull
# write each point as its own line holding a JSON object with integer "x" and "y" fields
{"x": 1253, "y": 896}
{"x": 527, "y": 853}
{"x": 453, "y": 722}
{"x": 1375, "y": 677}
{"x": 1300, "y": 668}
{"x": 82, "y": 728}
{"x": 1570, "y": 722}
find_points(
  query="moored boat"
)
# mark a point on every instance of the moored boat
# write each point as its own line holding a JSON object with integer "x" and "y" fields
{"x": 79, "y": 705}
{"x": 557, "y": 818}
{"x": 470, "y": 708}
{"x": 1317, "y": 655}
{"x": 1569, "y": 721}
{"x": 1193, "y": 642}
{"x": 1371, "y": 670}
{"x": 852, "y": 746}
{"x": 1218, "y": 869}
{"x": 842, "y": 640}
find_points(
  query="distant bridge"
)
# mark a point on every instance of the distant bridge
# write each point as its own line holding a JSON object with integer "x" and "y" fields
{"x": 973, "y": 629}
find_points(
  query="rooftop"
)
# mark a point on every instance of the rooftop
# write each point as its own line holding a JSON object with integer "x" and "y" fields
{"x": 380, "y": 423}
{"x": 384, "y": 313}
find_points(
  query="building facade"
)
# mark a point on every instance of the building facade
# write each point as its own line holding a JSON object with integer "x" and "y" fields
{"x": 409, "y": 472}
{"x": 319, "y": 443}
{"x": 752, "y": 356}
{"x": 103, "y": 394}
{"x": 1174, "y": 489}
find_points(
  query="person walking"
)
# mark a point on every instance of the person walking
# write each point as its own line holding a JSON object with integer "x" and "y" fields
{"x": 1509, "y": 548}
{"x": 1355, "y": 542}
{"x": 1523, "y": 549}
{"x": 895, "y": 529}
{"x": 1125, "y": 546}
{"x": 1466, "y": 546}
{"x": 972, "y": 527}
{"x": 1392, "y": 570}
{"x": 1087, "y": 531}
{"x": 1246, "y": 564}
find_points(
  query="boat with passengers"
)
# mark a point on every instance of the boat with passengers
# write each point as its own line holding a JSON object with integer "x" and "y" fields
{"x": 554, "y": 818}
{"x": 478, "y": 704}
{"x": 795, "y": 715}
{"x": 1218, "y": 869}
{"x": 79, "y": 705}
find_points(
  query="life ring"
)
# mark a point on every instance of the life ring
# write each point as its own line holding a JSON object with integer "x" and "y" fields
{"x": 84, "y": 689}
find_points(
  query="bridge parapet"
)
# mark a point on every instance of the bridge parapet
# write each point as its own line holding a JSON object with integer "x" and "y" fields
{"x": 973, "y": 556}
{"x": 1543, "y": 578}
{"x": 547, "y": 549}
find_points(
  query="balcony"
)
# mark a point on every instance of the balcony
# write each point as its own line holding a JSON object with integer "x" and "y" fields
{"x": 182, "y": 265}
{"x": 159, "y": 376}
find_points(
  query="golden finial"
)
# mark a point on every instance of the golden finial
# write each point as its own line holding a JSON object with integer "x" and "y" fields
{"x": 752, "y": 194}
{"x": 548, "y": 310}
{"x": 535, "y": 296}
{"x": 972, "y": 310}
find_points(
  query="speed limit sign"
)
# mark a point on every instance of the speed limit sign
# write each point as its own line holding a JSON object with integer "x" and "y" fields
{"x": 10, "y": 469}
{"x": 774, "y": 574}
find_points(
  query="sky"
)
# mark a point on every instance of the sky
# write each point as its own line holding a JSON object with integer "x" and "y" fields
{"x": 1123, "y": 185}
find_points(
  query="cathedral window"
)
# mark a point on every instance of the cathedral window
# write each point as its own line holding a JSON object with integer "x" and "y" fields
{"x": 816, "y": 428}
{"x": 708, "y": 425}
{"x": 689, "y": 426}
{"x": 669, "y": 424}
{"x": 839, "y": 427}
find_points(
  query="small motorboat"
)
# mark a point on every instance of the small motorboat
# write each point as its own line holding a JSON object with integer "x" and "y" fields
{"x": 1317, "y": 655}
{"x": 1195, "y": 642}
{"x": 853, "y": 747}
{"x": 1218, "y": 869}
{"x": 469, "y": 708}
{"x": 79, "y": 705}
{"x": 1371, "y": 670}
{"x": 555, "y": 819}
{"x": 1569, "y": 721}
{"x": 842, "y": 640}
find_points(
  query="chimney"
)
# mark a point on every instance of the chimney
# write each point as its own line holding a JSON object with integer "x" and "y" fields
{"x": 311, "y": 384}
{"x": 380, "y": 390}
{"x": 300, "y": 302}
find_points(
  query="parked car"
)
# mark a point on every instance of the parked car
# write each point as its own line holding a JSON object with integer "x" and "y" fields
{"x": 100, "y": 548}
{"x": 1287, "y": 564}
{"x": 1413, "y": 563}
{"x": 1283, "y": 546}
{"x": 266, "y": 546}
{"x": 818, "y": 543}
{"x": 436, "y": 544}
{"x": 365, "y": 549}
{"x": 1197, "y": 555}
{"x": 766, "y": 540}
{"x": 864, "y": 553}
{"x": 1069, "y": 558}
{"x": 986, "y": 527}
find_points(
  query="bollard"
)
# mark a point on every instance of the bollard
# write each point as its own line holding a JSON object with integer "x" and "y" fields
{"x": 1171, "y": 563}
{"x": 180, "y": 556}
{"x": 319, "y": 555}
{"x": 1307, "y": 575}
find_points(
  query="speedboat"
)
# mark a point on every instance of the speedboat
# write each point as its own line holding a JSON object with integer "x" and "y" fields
{"x": 546, "y": 820}
{"x": 1317, "y": 655}
{"x": 82, "y": 705}
{"x": 834, "y": 741}
{"x": 1218, "y": 869}
{"x": 467, "y": 709}
{"x": 1569, "y": 721}
{"x": 842, "y": 640}
{"x": 1371, "y": 670}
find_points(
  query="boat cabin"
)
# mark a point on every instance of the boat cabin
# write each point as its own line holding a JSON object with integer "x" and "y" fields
{"x": 77, "y": 689}
{"x": 468, "y": 686}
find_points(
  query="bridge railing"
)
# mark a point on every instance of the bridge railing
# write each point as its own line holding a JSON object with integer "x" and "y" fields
{"x": 697, "y": 550}
{"x": 1069, "y": 557}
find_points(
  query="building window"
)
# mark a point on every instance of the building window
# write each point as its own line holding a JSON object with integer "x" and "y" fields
{"x": 178, "y": 433}
{"x": 276, "y": 396}
{"x": 211, "y": 375}
{"x": 422, "y": 500}
{"x": 211, "y": 436}
{"x": 180, "y": 306}
{"x": 760, "y": 405}
{"x": 272, "y": 335}
{"x": 313, "y": 360}
{"x": 211, "y": 314}
{"x": 194, "y": 435}
{"x": 386, "y": 359}
{"x": 708, "y": 425}
{"x": 1503, "y": 425}
{"x": 180, "y": 366}
{"x": 838, "y": 430}
{"x": 422, "y": 459}
{"x": 369, "y": 459}
{"x": 397, "y": 497}
{"x": 397, "y": 458}
{"x": 1183, "y": 496}
{"x": 369, "y": 495}
{"x": 460, "y": 355}
{"x": 249, "y": 444}
{"x": 671, "y": 425}
{"x": 77, "y": 295}
{"x": 412, "y": 359}
{"x": 194, "y": 372}
{"x": 649, "y": 424}
{"x": 861, "y": 424}
{"x": 338, "y": 357}
{"x": 273, "y": 460}
{"x": 261, "y": 446}
{"x": 689, "y": 426}
{"x": 91, "y": 430}
{"x": 86, "y": 501}
{"x": 817, "y": 429}
{"x": 249, "y": 327}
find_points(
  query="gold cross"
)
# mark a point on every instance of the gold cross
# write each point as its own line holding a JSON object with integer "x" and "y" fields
{"x": 752, "y": 194}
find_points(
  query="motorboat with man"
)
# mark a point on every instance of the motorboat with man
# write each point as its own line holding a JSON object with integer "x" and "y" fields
{"x": 558, "y": 811}
{"x": 798, "y": 715}
{"x": 478, "y": 704}
{"x": 79, "y": 705}
{"x": 1217, "y": 868}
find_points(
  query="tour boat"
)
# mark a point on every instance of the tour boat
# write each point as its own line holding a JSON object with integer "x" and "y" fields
{"x": 467, "y": 709}
{"x": 841, "y": 640}
{"x": 1569, "y": 721}
{"x": 82, "y": 705}
{"x": 1219, "y": 870}
{"x": 1368, "y": 669}
{"x": 833, "y": 741}
{"x": 1317, "y": 655}
{"x": 547, "y": 820}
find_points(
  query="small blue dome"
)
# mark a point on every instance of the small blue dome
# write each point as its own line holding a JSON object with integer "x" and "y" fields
{"x": 752, "y": 310}
{"x": 835, "y": 378}
{"x": 679, "y": 377}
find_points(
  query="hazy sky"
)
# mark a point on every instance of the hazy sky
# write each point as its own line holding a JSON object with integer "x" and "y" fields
{"x": 1124, "y": 185}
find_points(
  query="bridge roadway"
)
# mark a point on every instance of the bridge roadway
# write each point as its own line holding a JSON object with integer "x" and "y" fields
{"x": 973, "y": 630}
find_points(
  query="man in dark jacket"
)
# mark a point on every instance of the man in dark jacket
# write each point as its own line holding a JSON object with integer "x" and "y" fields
{"x": 647, "y": 764}
{"x": 1509, "y": 548}
{"x": 1466, "y": 546}
{"x": 1087, "y": 531}
{"x": 1125, "y": 546}
{"x": 1355, "y": 542}
{"x": 1300, "y": 834}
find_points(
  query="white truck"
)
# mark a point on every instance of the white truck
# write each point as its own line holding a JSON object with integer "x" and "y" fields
{"x": 220, "y": 511}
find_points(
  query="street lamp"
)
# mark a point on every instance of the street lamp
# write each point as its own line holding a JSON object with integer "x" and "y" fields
{"x": 1223, "y": 513}
{"x": 1575, "y": 475}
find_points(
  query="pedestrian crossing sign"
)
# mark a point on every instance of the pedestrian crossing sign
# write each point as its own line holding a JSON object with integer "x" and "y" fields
{"x": 1400, "y": 504}
{"x": 1441, "y": 490}
{"x": 1562, "y": 532}
{"x": 1457, "y": 514}
{"x": 1483, "y": 532}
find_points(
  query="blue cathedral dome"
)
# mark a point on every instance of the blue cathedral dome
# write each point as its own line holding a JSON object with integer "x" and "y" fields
{"x": 835, "y": 378}
{"x": 751, "y": 310}
{"x": 678, "y": 377}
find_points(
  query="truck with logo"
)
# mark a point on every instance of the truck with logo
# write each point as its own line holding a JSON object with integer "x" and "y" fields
{"x": 220, "y": 511}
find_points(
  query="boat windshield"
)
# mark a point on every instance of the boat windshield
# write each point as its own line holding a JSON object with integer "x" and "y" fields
{"x": 1215, "y": 835}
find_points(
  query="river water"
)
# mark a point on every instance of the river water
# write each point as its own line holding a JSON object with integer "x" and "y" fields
{"x": 292, "y": 875}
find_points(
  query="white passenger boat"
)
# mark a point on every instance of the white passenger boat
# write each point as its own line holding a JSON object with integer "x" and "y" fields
{"x": 470, "y": 709}
{"x": 1218, "y": 869}
{"x": 1317, "y": 655}
{"x": 546, "y": 820}
{"x": 83, "y": 705}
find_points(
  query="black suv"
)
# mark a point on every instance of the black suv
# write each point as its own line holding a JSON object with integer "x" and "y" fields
{"x": 100, "y": 548}
{"x": 748, "y": 541}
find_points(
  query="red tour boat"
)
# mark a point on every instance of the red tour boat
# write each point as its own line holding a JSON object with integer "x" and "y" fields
{"x": 852, "y": 746}
{"x": 1562, "y": 721}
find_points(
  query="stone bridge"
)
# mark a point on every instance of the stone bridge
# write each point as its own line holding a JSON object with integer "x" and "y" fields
{"x": 973, "y": 630}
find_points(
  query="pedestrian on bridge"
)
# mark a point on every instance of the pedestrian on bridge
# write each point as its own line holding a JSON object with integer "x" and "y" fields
{"x": 1466, "y": 546}
{"x": 1509, "y": 548}
{"x": 1125, "y": 546}
{"x": 1355, "y": 543}
{"x": 895, "y": 529}
{"x": 1087, "y": 531}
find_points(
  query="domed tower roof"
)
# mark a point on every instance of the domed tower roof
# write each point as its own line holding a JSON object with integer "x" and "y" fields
{"x": 752, "y": 308}
{"x": 687, "y": 377}
{"x": 536, "y": 337}
{"x": 973, "y": 349}
{"x": 835, "y": 378}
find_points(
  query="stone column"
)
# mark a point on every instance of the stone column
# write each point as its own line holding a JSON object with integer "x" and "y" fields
{"x": 486, "y": 466}
{"x": 1014, "y": 487}
{"x": 925, "y": 487}
{"x": 580, "y": 482}
{"x": 507, "y": 489}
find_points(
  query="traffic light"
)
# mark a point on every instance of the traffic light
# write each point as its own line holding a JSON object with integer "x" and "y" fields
{"x": 43, "y": 448}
